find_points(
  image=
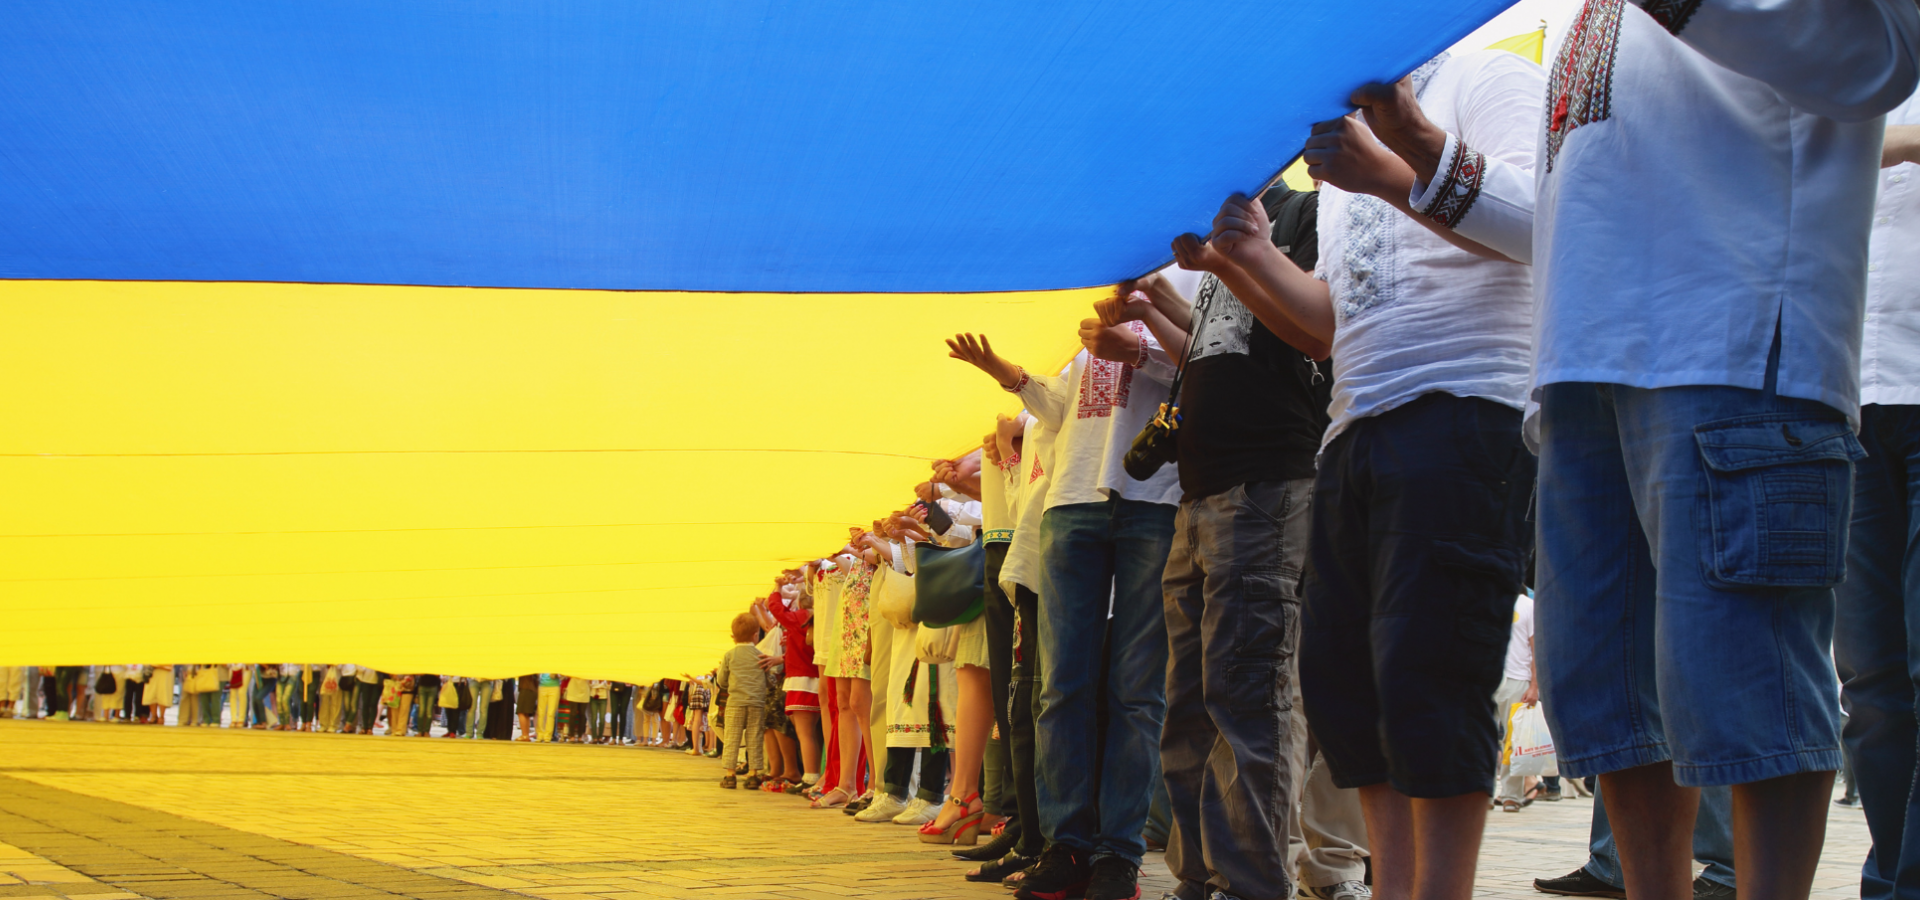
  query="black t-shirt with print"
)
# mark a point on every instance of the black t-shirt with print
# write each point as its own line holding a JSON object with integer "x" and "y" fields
{"x": 1253, "y": 408}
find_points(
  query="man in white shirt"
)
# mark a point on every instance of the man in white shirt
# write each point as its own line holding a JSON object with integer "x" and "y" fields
{"x": 1418, "y": 536}
{"x": 1104, "y": 539}
{"x": 1697, "y": 218}
{"x": 1878, "y": 619}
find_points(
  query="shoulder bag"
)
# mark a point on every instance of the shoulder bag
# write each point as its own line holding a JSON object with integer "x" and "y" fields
{"x": 949, "y": 583}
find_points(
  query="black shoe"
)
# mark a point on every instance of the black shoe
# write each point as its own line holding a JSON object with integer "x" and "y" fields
{"x": 1578, "y": 883}
{"x": 1001, "y": 845}
{"x": 1113, "y": 878}
{"x": 1848, "y": 802}
{"x": 999, "y": 869}
{"x": 1061, "y": 873}
{"x": 1711, "y": 890}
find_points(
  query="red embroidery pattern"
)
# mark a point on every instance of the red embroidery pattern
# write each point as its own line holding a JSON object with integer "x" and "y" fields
{"x": 1580, "y": 89}
{"x": 1460, "y": 187}
{"x": 1103, "y": 385}
{"x": 1036, "y": 473}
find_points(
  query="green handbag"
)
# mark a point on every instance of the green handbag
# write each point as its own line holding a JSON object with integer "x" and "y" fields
{"x": 949, "y": 583}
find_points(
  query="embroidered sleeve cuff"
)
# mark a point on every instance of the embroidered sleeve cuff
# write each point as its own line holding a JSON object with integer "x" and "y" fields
{"x": 1451, "y": 196}
{"x": 1018, "y": 385}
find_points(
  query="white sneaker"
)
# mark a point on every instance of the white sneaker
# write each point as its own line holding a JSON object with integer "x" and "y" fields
{"x": 1345, "y": 890}
{"x": 883, "y": 808}
{"x": 919, "y": 812}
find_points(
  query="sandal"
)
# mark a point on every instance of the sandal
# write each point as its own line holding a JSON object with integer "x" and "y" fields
{"x": 833, "y": 799}
{"x": 964, "y": 831}
{"x": 727, "y": 781}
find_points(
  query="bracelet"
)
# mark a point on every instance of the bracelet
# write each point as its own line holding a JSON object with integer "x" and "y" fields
{"x": 1017, "y": 385}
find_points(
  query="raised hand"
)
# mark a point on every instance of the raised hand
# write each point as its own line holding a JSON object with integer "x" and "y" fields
{"x": 1114, "y": 344}
{"x": 1128, "y": 305}
{"x": 1241, "y": 229}
{"x": 1344, "y": 153}
{"x": 1394, "y": 116}
{"x": 1194, "y": 254}
{"x": 977, "y": 352}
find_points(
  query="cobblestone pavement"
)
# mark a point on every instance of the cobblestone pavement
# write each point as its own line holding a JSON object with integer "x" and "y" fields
{"x": 118, "y": 812}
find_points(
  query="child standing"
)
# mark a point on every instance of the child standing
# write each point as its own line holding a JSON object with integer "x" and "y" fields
{"x": 746, "y": 686}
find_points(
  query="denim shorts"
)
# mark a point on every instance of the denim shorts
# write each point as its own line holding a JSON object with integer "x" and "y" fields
{"x": 1417, "y": 550}
{"x": 1689, "y": 542}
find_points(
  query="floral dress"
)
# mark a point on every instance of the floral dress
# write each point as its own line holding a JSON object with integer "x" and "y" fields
{"x": 851, "y": 661}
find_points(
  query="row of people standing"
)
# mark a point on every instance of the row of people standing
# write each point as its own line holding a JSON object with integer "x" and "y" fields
{"x": 1647, "y": 269}
{"x": 350, "y": 699}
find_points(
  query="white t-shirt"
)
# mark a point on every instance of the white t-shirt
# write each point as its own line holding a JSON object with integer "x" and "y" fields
{"x": 1414, "y": 315}
{"x": 1096, "y": 408}
{"x": 1706, "y": 172}
{"x": 1520, "y": 642}
{"x": 1890, "y": 355}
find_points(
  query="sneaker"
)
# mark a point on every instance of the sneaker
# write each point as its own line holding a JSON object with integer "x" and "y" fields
{"x": 752, "y": 783}
{"x": 1345, "y": 890}
{"x": 918, "y": 812}
{"x": 882, "y": 809}
{"x": 727, "y": 781}
{"x": 1061, "y": 873}
{"x": 1113, "y": 878}
{"x": 1578, "y": 883}
{"x": 1711, "y": 890}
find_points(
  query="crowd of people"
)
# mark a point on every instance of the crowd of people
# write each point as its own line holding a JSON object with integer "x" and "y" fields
{"x": 349, "y": 699}
{"x": 1635, "y": 335}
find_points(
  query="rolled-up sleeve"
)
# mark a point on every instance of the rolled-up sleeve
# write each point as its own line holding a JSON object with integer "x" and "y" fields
{"x": 1485, "y": 188}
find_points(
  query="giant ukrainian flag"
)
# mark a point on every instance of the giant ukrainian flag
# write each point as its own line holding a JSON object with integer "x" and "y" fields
{"x": 489, "y": 337}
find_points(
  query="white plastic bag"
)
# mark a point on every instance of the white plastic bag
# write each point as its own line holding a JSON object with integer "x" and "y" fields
{"x": 891, "y": 596}
{"x": 1529, "y": 744}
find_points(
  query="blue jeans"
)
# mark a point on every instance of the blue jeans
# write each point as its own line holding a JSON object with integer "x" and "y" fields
{"x": 1689, "y": 542}
{"x": 1093, "y": 796}
{"x": 1876, "y": 643}
{"x": 1712, "y": 839}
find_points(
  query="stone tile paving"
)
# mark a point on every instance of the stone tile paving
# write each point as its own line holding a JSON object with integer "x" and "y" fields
{"x": 211, "y": 813}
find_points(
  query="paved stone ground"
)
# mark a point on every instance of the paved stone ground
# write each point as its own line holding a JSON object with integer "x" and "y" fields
{"x": 118, "y": 812}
